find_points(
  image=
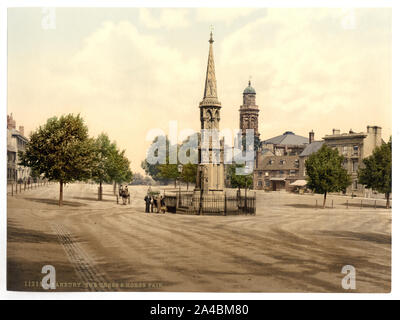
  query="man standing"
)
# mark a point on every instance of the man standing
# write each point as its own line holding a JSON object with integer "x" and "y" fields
{"x": 147, "y": 200}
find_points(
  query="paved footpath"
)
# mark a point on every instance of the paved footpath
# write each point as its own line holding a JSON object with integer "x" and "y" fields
{"x": 289, "y": 246}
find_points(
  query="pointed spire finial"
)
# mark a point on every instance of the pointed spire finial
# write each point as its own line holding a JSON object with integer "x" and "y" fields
{"x": 210, "y": 89}
{"x": 211, "y": 34}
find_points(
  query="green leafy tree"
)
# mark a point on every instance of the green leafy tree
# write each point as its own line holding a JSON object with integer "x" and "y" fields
{"x": 140, "y": 179}
{"x": 325, "y": 172}
{"x": 169, "y": 171}
{"x": 239, "y": 180}
{"x": 102, "y": 168}
{"x": 164, "y": 172}
{"x": 61, "y": 151}
{"x": 189, "y": 173}
{"x": 119, "y": 169}
{"x": 376, "y": 173}
{"x": 153, "y": 170}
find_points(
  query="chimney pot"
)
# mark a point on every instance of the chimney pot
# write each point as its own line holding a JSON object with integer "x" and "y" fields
{"x": 21, "y": 130}
{"x": 311, "y": 136}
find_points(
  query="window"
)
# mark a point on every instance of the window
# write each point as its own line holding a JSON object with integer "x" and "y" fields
{"x": 355, "y": 150}
{"x": 282, "y": 162}
{"x": 281, "y": 172}
{"x": 259, "y": 173}
{"x": 292, "y": 172}
{"x": 345, "y": 150}
{"x": 355, "y": 185}
{"x": 260, "y": 183}
{"x": 270, "y": 162}
{"x": 296, "y": 163}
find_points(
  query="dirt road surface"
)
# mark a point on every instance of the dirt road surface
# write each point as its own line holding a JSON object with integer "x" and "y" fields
{"x": 288, "y": 246}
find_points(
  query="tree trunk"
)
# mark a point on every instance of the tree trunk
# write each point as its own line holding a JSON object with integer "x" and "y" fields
{"x": 115, "y": 188}
{"x": 387, "y": 200}
{"x": 323, "y": 206}
{"x": 175, "y": 183}
{"x": 60, "y": 199}
{"x": 187, "y": 185}
{"x": 100, "y": 197}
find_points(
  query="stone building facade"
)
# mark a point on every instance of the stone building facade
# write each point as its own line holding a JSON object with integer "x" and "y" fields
{"x": 16, "y": 141}
{"x": 355, "y": 146}
{"x": 278, "y": 162}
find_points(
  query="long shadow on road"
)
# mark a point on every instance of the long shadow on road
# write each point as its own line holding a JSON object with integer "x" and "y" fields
{"x": 17, "y": 234}
{"x": 55, "y": 202}
{"x": 93, "y": 199}
{"x": 357, "y": 236}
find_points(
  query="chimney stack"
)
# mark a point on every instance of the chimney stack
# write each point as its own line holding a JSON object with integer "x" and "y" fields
{"x": 311, "y": 136}
{"x": 335, "y": 131}
{"x": 376, "y": 132}
{"x": 21, "y": 130}
{"x": 10, "y": 122}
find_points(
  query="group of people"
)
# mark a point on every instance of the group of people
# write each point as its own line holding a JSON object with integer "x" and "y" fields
{"x": 155, "y": 202}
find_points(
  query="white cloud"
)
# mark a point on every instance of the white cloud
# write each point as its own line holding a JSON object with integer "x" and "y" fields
{"x": 122, "y": 81}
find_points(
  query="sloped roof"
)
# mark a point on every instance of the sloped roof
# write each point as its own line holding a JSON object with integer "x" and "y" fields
{"x": 15, "y": 132}
{"x": 311, "y": 148}
{"x": 288, "y": 138}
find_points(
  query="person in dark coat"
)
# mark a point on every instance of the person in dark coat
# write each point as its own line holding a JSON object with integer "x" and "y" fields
{"x": 153, "y": 204}
{"x": 162, "y": 202}
{"x": 147, "y": 200}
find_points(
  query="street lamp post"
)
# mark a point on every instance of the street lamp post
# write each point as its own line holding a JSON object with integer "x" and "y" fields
{"x": 19, "y": 178}
{"x": 180, "y": 169}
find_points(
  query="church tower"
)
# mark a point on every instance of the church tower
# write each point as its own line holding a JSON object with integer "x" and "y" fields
{"x": 249, "y": 111}
{"x": 210, "y": 173}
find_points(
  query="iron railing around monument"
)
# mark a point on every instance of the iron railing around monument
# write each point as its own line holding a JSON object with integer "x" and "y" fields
{"x": 211, "y": 204}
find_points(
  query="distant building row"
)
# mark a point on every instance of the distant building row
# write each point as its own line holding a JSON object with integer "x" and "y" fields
{"x": 280, "y": 163}
{"x": 16, "y": 141}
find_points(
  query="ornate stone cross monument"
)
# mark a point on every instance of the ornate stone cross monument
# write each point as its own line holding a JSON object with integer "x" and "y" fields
{"x": 210, "y": 173}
